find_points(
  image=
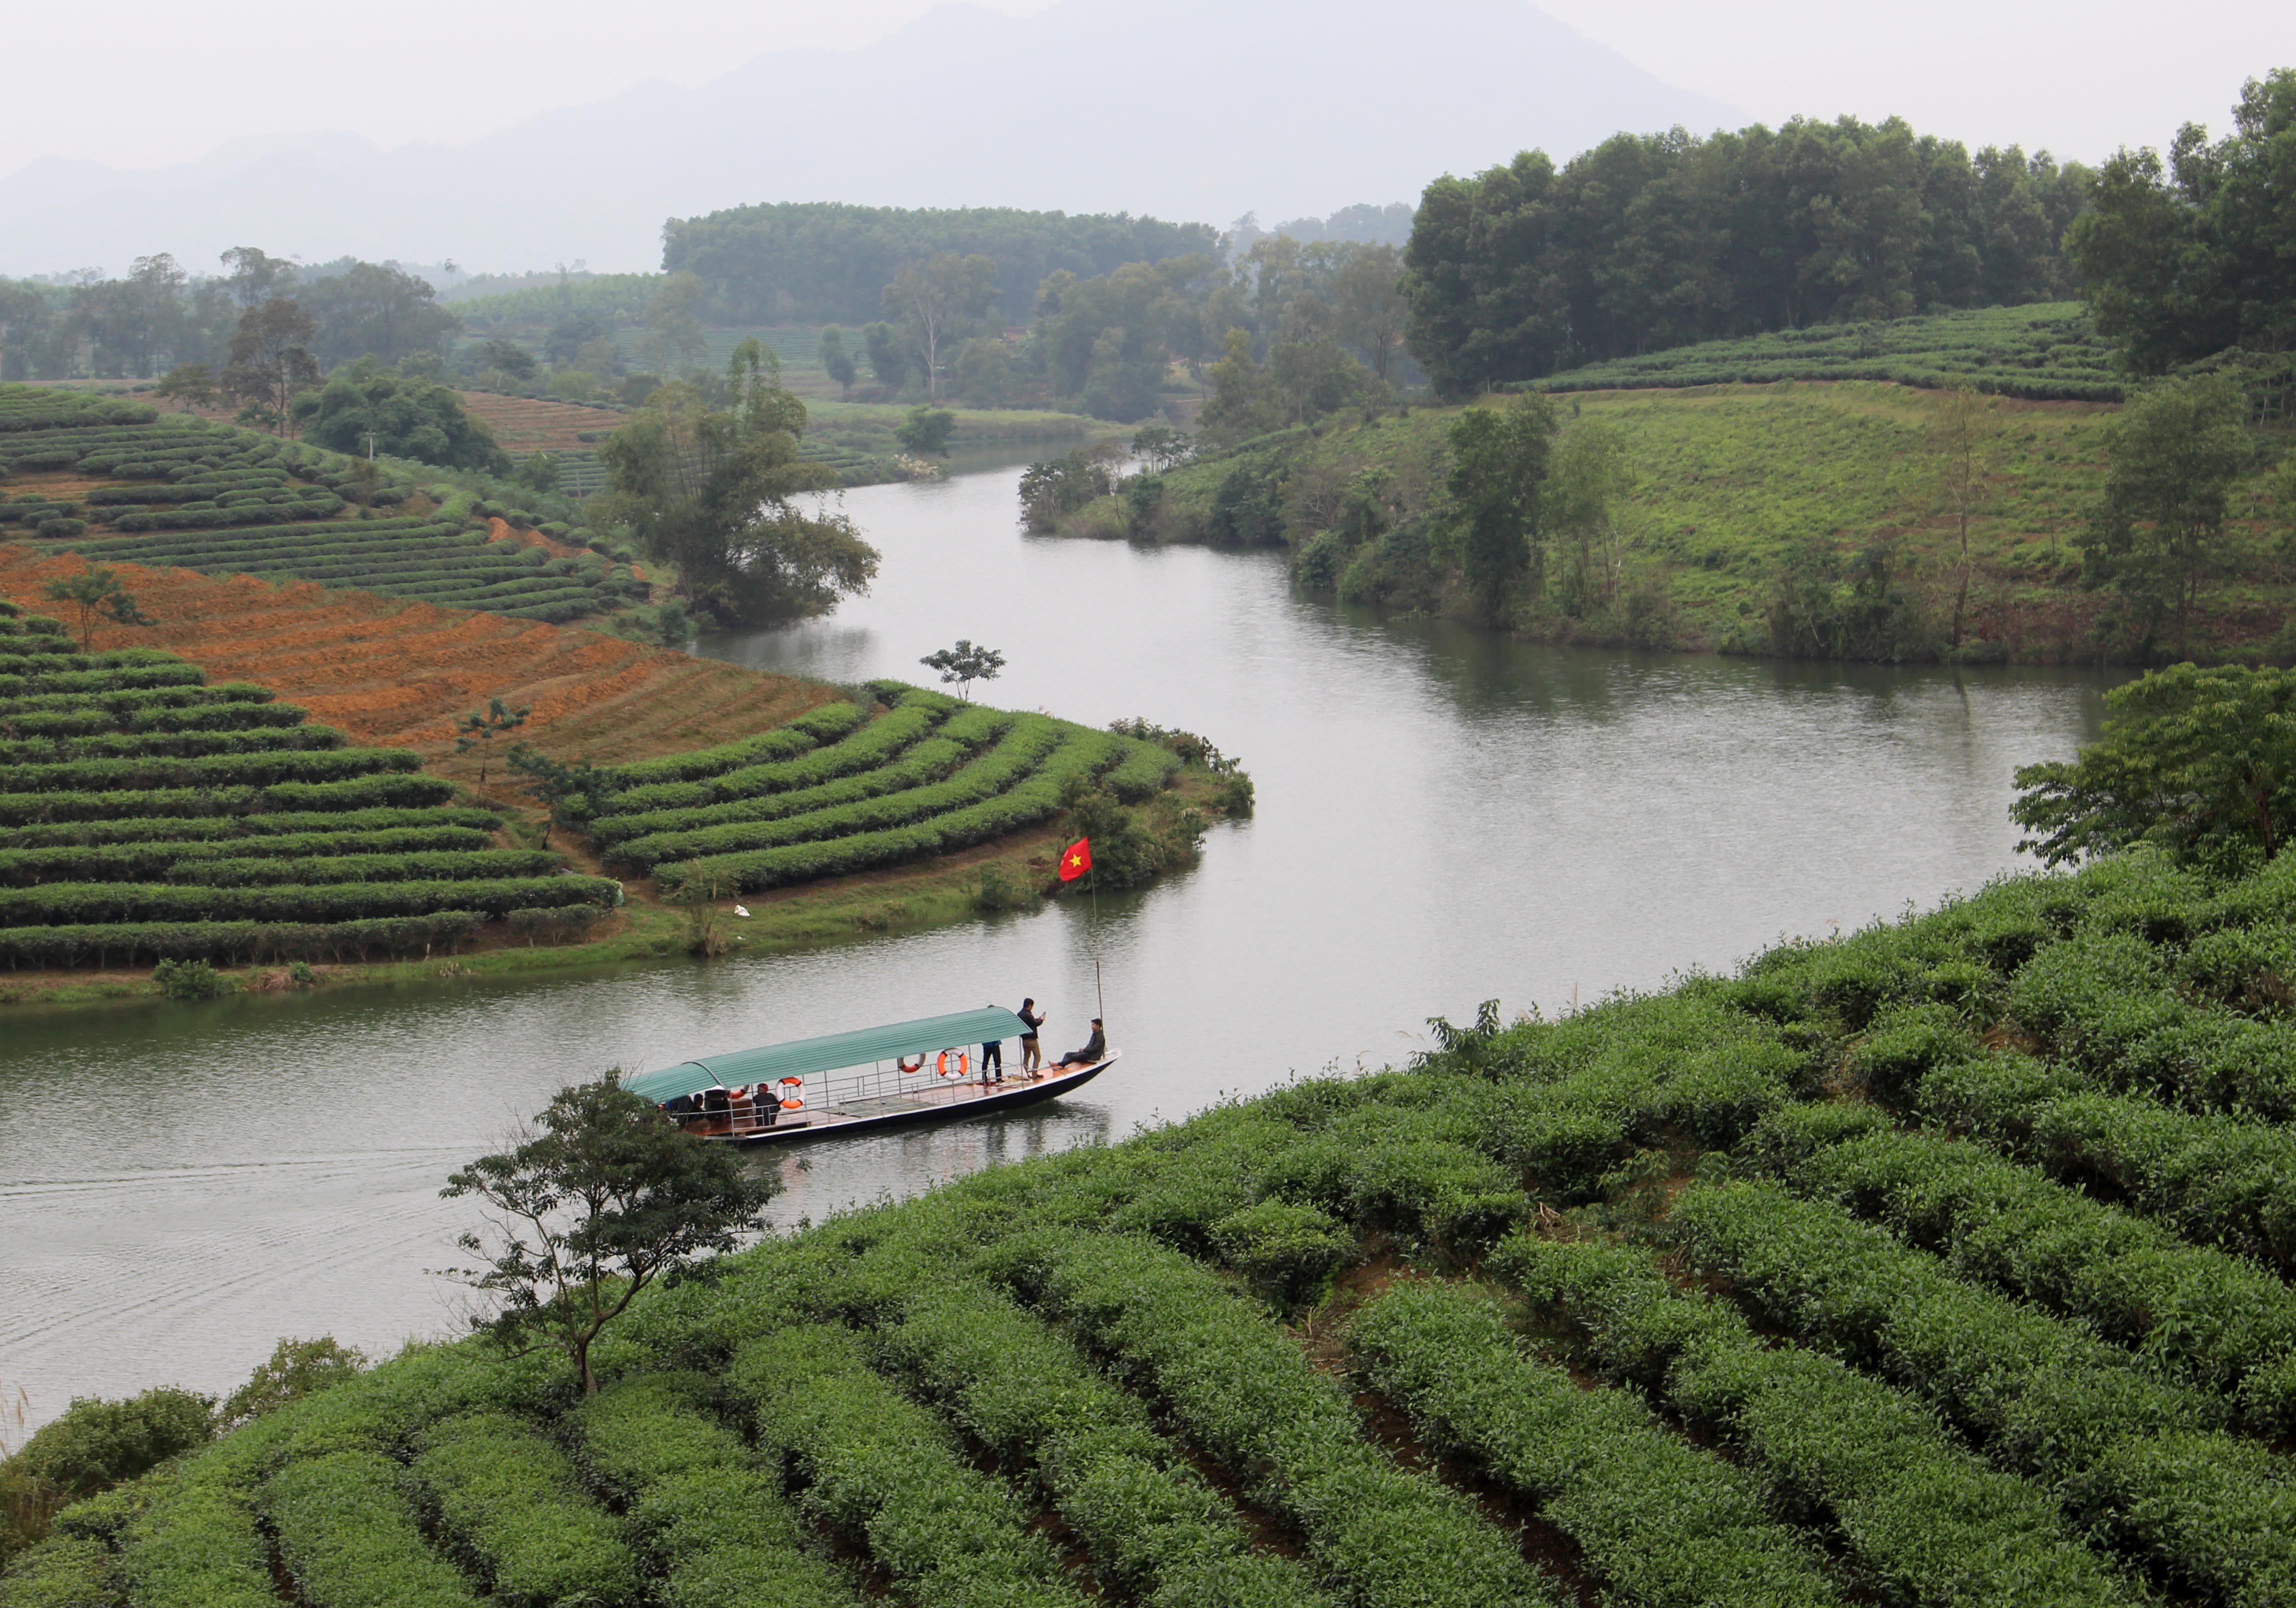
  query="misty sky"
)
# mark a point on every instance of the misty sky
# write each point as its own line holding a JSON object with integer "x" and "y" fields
{"x": 168, "y": 82}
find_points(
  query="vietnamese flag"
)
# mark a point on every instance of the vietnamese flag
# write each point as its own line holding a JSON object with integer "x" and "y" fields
{"x": 1076, "y": 859}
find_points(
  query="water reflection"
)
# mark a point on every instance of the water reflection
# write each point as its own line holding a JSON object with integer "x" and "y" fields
{"x": 1444, "y": 817}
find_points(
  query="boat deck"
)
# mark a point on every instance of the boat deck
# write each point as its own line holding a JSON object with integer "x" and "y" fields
{"x": 940, "y": 1100}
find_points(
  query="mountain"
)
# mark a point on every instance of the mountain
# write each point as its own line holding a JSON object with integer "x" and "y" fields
{"x": 1186, "y": 109}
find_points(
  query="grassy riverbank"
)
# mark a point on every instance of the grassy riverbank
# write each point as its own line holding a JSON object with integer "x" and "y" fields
{"x": 1941, "y": 1262}
{"x": 1752, "y": 508}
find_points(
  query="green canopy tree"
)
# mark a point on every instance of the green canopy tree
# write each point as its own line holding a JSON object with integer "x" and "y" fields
{"x": 2201, "y": 761}
{"x": 723, "y": 495}
{"x": 1499, "y": 461}
{"x": 406, "y": 418}
{"x": 2171, "y": 458}
{"x": 605, "y": 1196}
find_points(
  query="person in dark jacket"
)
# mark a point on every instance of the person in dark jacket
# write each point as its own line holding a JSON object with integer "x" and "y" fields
{"x": 1095, "y": 1048}
{"x": 1032, "y": 1048}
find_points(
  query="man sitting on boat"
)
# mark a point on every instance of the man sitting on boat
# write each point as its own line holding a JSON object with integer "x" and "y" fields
{"x": 1095, "y": 1048}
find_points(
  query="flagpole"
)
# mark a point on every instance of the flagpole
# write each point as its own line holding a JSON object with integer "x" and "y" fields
{"x": 1099, "y": 997}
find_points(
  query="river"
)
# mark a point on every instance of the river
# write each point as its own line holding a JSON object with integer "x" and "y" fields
{"x": 1444, "y": 818}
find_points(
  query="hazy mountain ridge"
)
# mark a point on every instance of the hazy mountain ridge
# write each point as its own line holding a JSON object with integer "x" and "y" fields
{"x": 1191, "y": 109}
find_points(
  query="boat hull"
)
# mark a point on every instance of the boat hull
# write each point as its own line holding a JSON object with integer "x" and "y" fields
{"x": 946, "y": 1103}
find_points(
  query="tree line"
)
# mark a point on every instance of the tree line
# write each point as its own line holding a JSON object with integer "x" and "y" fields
{"x": 159, "y": 316}
{"x": 1655, "y": 241}
{"x": 826, "y": 262}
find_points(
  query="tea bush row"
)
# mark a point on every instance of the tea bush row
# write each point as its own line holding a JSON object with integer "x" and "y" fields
{"x": 1155, "y": 1529}
{"x": 1915, "y": 1508}
{"x": 166, "y": 858}
{"x": 261, "y": 768}
{"x": 350, "y": 1536}
{"x": 1037, "y": 798}
{"x": 277, "y": 736}
{"x": 714, "y": 1528}
{"x": 925, "y": 762}
{"x": 881, "y": 1469}
{"x": 221, "y": 831}
{"x": 453, "y": 864}
{"x": 508, "y": 1500}
{"x": 2215, "y": 1179}
{"x": 231, "y": 707}
{"x": 863, "y": 749}
{"x": 1025, "y": 746}
{"x": 1236, "y": 1386}
{"x": 2201, "y": 1315}
{"x": 813, "y": 727}
{"x": 2141, "y": 1464}
{"x": 1658, "y": 1520}
{"x": 392, "y": 789}
{"x": 62, "y": 904}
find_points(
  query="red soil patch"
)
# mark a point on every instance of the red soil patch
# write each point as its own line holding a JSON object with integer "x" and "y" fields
{"x": 389, "y": 671}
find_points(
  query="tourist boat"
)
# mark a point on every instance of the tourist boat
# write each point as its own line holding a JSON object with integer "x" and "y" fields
{"x": 847, "y": 1083}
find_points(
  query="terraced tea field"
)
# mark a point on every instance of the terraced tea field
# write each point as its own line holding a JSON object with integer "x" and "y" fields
{"x": 836, "y": 792}
{"x": 150, "y": 813}
{"x": 116, "y": 481}
{"x": 403, "y": 674}
{"x": 1942, "y": 1264}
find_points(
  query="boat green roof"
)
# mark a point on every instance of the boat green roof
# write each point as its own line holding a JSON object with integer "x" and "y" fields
{"x": 804, "y": 1058}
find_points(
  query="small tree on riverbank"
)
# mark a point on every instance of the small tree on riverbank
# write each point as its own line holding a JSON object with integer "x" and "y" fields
{"x": 965, "y": 664}
{"x": 603, "y": 1198}
{"x": 97, "y": 593}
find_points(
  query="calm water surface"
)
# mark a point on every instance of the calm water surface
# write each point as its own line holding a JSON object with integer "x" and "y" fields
{"x": 1443, "y": 818}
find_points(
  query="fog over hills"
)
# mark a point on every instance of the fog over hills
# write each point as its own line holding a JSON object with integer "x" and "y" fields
{"x": 1186, "y": 109}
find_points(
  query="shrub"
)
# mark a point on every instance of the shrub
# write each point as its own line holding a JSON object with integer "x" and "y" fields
{"x": 94, "y": 1444}
{"x": 190, "y": 979}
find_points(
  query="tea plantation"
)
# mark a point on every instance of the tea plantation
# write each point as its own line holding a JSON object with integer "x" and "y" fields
{"x": 1942, "y": 1264}
{"x": 836, "y": 792}
{"x": 2047, "y": 351}
{"x": 147, "y": 814}
{"x": 117, "y": 481}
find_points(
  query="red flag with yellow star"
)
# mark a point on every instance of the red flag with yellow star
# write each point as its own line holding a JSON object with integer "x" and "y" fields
{"x": 1076, "y": 859}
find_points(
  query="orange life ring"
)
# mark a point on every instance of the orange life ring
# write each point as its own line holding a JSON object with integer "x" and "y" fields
{"x": 793, "y": 1094}
{"x": 964, "y": 1063}
{"x": 910, "y": 1064}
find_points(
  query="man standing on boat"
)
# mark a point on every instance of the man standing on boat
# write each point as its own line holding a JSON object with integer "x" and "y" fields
{"x": 1032, "y": 1049}
{"x": 992, "y": 1054}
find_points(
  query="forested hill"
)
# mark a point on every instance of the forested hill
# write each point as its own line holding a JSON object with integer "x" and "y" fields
{"x": 1655, "y": 240}
{"x": 815, "y": 263}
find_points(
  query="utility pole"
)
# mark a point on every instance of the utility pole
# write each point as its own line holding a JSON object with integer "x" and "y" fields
{"x": 370, "y": 446}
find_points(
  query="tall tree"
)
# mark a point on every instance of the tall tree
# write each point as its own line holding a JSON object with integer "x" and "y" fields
{"x": 1367, "y": 292}
{"x": 600, "y": 1199}
{"x": 2170, "y": 460}
{"x": 1499, "y": 461}
{"x": 724, "y": 495}
{"x": 939, "y": 301}
{"x": 1962, "y": 442}
{"x": 375, "y": 309}
{"x": 836, "y": 362}
{"x": 675, "y": 338}
{"x": 255, "y": 277}
{"x": 271, "y": 361}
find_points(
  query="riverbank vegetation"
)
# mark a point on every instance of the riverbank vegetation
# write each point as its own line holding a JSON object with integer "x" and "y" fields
{"x": 1943, "y": 1261}
{"x": 1824, "y": 520}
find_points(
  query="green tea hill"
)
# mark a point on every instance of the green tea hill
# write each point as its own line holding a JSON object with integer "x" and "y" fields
{"x": 117, "y": 482}
{"x": 1942, "y": 1263}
